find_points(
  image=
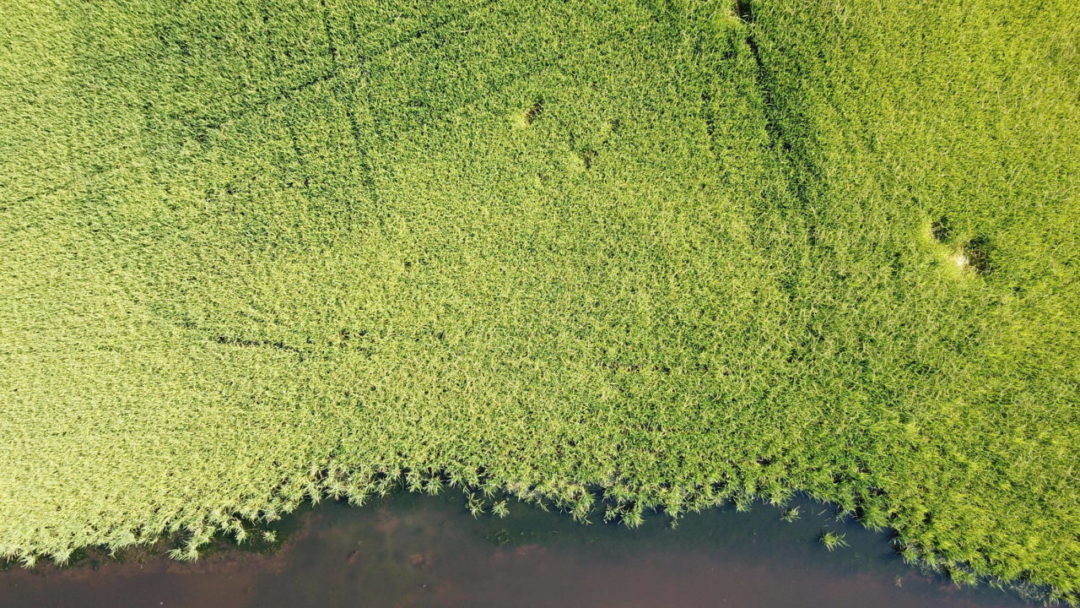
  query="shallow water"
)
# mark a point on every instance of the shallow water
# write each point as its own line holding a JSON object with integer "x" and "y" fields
{"x": 411, "y": 550}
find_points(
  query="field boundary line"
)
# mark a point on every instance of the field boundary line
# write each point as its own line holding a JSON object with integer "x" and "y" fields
{"x": 286, "y": 94}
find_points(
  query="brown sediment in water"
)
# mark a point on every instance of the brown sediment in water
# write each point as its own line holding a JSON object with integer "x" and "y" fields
{"x": 423, "y": 551}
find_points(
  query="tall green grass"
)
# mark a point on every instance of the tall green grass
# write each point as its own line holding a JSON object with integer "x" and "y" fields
{"x": 665, "y": 254}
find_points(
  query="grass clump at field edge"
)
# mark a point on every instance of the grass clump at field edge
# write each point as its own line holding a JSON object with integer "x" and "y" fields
{"x": 684, "y": 253}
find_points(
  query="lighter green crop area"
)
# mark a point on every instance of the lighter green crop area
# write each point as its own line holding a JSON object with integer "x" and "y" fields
{"x": 614, "y": 256}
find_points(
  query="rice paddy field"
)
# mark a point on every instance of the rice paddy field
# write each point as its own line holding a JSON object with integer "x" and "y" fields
{"x": 613, "y": 257}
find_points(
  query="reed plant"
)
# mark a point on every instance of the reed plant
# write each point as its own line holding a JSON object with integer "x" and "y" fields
{"x": 608, "y": 257}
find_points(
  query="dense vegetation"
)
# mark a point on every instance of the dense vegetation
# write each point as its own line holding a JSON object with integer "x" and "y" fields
{"x": 669, "y": 254}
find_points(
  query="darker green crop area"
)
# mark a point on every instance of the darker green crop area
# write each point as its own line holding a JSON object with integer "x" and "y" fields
{"x": 613, "y": 256}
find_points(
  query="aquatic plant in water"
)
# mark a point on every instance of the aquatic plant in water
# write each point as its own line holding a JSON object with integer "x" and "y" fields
{"x": 605, "y": 256}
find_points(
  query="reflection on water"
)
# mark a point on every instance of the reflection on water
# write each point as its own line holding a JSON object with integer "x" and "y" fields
{"x": 411, "y": 550}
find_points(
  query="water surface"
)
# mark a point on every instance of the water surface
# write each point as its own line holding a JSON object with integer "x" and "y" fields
{"x": 411, "y": 550}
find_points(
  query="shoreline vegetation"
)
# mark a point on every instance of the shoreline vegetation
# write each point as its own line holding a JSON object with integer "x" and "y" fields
{"x": 399, "y": 544}
{"x": 274, "y": 539}
{"x": 605, "y": 257}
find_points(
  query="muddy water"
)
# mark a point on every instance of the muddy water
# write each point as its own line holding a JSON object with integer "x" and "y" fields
{"x": 428, "y": 551}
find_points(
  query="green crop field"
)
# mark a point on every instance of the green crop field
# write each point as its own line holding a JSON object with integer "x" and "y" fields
{"x": 614, "y": 256}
